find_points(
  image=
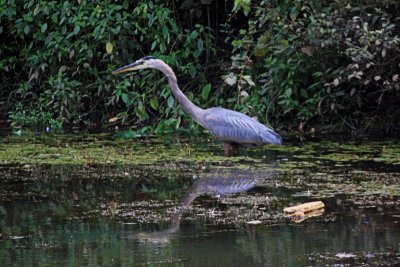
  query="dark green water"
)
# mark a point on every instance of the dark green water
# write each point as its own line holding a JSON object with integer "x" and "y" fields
{"x": 186, "y": 213}
{"x": 103, "y": 243}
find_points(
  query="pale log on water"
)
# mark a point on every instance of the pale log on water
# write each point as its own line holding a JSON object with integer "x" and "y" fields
{"x": 304, "y": 208}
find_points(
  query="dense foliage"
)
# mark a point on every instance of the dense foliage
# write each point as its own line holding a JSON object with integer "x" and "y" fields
{"x": 333, "y": 61}
{"x": 317, "y": 62}
{"x": 57, "y": 59}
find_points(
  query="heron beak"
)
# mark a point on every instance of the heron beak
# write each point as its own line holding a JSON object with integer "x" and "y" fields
{"x": 133, "y": 66}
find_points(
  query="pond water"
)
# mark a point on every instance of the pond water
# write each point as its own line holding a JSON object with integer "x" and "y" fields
{"x": 100, "y": 200}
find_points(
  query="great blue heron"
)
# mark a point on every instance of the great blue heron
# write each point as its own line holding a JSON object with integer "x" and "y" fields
{"x": 230, "y": 127}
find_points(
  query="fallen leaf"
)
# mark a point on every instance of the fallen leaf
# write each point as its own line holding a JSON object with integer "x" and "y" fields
{"x": 309, "y": 50}
{"x": 113, "y": 119}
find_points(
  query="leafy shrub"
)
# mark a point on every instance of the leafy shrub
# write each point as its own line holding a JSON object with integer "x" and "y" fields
{"x": 279, "y": 61}
{"x": 34, "y": 120}
{"x": 336, "y": 60}
{"x": 63, "y": 53}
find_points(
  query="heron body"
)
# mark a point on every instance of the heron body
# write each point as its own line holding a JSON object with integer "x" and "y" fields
{"x": 231, "y": 127}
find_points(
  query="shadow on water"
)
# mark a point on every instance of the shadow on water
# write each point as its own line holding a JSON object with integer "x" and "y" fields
{"x": 225, "y": 212}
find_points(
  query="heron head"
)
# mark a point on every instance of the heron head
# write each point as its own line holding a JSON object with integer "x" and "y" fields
{"x": 143, "y": 63}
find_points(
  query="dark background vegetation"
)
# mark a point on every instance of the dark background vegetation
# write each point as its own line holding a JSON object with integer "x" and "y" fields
{"x": 322, "y": 64}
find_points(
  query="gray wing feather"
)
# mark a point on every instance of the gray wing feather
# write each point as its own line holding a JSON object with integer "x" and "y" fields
{"x": 232, "y": 126}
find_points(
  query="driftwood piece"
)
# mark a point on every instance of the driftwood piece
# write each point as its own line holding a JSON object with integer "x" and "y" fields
{"x": 303, "y": 211}
{"x": 299, "y": 216}
{"x": 304, "y": 208}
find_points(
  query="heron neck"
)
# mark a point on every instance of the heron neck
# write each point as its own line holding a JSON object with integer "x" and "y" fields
{"x": 186, "y": 104}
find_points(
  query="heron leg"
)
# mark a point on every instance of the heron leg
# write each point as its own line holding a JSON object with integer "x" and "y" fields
{"x": 231, "y": 149}
{"x": 227, "y": 149}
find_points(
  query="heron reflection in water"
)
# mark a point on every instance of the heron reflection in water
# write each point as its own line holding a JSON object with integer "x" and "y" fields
{"x": 215, "y": 184}
{"x": 231, "y": 127}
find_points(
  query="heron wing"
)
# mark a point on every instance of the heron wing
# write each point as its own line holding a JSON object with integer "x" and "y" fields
{"x": 232, "y": 126}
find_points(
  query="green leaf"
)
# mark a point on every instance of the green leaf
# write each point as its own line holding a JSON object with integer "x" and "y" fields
{"x": 109, "y": 48}
{"x": 163, "y": 48}
{"x": 196, "y": 53}
{"x": 205, "y": 91}
{"x": 125, "y": 98}
{"x": 141, "y": 112}
{"x": 242, "y": 4}
{"x": 170, "y": 101}
{"x": 178, "y": 122}
{"x": 193, "y": 35}
{"x": 43, "y": 28}
{"x": 153, "y": 45}
{"x": 288, "y": 92}
{"x": 200, "y": 45}
{"x": 165, "y": 32}
{"x": 154, "y": 103}
{"x": 76, "y": 30}
{"x": 26, "y": 29}
{"x": 89, "y": 53}
{"x": 28, "y": 18}
{"x": 36, "y": 10}
{"x": 125, "y": 4}
{"x": 304, "y": 93}
{"x": 192, "y": 71}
